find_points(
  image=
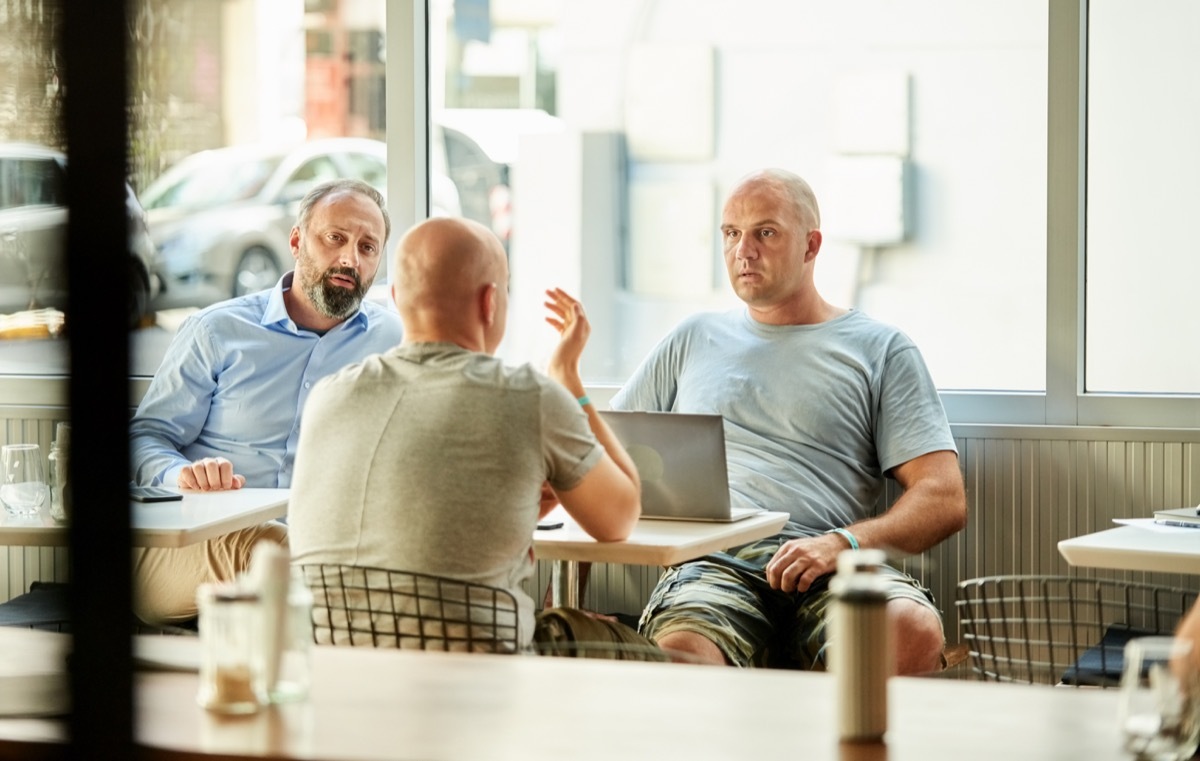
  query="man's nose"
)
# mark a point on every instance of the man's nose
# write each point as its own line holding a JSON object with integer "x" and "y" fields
{"x": 746, "y": 248}
{"x": 348, "y": 256}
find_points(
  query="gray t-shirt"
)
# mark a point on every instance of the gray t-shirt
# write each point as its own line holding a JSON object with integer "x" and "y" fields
{"x": 431, "y": 458}
{"x": 815, "y": 415}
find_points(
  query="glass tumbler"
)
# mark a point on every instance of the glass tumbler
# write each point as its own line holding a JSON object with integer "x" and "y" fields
{"x": 1159, "y": 709}
{"x": 23, "y": 489}
{"x": 232, "y": 677}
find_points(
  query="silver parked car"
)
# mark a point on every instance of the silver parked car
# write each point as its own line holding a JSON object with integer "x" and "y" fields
{"x": 223, "y": 217}
{"x": 33, "y": 227}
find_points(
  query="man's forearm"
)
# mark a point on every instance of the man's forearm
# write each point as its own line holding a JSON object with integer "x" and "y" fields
{"x": 921, "y": 518}
{"x": 151, "y": 458}
{"x": 609, "y": 441}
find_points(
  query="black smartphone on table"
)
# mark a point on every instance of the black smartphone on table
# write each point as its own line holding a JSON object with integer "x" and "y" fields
{"x": 153, "y": 494}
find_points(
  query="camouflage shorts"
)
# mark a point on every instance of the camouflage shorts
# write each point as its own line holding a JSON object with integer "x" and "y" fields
{"x": 726, "y": 598}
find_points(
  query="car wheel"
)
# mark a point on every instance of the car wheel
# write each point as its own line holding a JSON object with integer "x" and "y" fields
{"x": 256, "y": 271}
{"x": 139, "y": 293}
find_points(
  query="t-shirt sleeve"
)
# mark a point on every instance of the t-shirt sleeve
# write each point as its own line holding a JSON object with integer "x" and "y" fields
{"x": 569, "y": 446}
{"x": 654, "y": 385}
{"x": 911, "y": 420}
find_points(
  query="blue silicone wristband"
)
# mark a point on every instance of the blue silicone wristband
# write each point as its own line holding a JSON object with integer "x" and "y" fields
{"x": 584, "y": 401}
{"x": 849, "y": 537}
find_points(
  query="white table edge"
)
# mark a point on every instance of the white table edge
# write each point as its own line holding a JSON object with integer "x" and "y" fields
{"x": 590, "y": 551}
{"x": 1093, "y": 551}
{"x": 49, "y": 533}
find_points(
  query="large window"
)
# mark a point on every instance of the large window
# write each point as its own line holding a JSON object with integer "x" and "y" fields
{"x": 236, "y": 107}
{"x": 946, "y": 140}
{"x": 1008, "y": 181}
{"x": 921, "y": 126}
{"x": 1143, "y": 161}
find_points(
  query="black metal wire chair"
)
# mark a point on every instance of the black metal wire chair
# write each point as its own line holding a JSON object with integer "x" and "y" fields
{"x": 378, "y": 607}
{"x": 1037, "y": 629}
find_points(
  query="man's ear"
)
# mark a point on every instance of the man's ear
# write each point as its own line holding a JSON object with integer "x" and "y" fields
{"x": 814, "y": 245}
{"x": 488, "y": 304}
{"x": 294, "y": 241}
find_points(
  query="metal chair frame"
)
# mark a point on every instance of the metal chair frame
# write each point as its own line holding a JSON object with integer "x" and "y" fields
{"x": 1042, "y": 629}
{"x": 379, "y": 607}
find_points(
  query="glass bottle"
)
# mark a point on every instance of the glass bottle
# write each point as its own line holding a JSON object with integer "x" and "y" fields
{"x": 293, "y": 680}
{"x": 59, "y": 471}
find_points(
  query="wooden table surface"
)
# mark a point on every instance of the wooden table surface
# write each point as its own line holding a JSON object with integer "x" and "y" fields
{"x": 386, "y": 704}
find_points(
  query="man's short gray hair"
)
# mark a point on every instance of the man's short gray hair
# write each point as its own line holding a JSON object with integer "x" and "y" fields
{"x": 337, "y": 186}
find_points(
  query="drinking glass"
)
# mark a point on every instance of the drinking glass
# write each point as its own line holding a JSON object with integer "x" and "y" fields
{"x": 1159, "y": 700}
{"x": 23, "y": 490}
{"x": 232, "y": 677}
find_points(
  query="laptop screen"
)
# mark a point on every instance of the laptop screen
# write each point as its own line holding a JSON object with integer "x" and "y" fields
{"x": 680, "y": 459}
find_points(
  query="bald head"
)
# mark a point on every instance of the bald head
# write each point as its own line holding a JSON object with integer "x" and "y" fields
{"x": 791, "y": 186}
{"x": 451, "y": 283}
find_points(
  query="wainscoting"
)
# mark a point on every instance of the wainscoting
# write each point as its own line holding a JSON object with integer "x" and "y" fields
{"x": 1027, "y": 488}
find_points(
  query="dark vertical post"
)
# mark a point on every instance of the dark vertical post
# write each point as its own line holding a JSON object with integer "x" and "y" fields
{"x": 93, "y": 46}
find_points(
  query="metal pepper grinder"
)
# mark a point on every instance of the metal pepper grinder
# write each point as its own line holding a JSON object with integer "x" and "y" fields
{"x": 860, "y": 645}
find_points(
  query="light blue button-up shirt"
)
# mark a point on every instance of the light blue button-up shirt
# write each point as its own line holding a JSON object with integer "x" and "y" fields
{"x": 234, "y": 381}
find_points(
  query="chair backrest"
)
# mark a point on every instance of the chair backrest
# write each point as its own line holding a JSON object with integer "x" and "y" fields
{"x": 1060, "y": 629}
{"x": 379, "y": 607}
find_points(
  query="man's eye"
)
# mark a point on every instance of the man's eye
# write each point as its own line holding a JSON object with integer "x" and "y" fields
{"x": 767, "y": 233}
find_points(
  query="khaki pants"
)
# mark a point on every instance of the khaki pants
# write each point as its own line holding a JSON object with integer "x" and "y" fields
{"x": 166, "y": 579}
{"x": 576, "y": 633}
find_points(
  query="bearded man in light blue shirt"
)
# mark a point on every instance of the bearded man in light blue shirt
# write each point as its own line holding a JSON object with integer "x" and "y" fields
{"x": 223, "y": 410}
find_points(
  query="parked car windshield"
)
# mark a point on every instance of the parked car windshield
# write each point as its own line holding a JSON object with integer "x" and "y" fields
{"x": 214, "y": 181}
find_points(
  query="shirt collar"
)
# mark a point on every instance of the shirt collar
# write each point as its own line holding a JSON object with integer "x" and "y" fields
{"x": 276, "y": 312}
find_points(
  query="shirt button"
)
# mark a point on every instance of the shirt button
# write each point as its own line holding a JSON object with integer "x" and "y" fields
{"x": 307, "y": 384}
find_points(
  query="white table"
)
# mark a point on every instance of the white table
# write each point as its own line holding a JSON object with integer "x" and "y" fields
{"x": 1143, "y": 546}
{"x": 652, "y": 542}
{"x": 389, "y": 704}
{"x": 197, "y": 517}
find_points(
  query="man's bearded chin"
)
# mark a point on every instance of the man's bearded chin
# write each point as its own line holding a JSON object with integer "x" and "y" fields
{"x": 334, "y": 301}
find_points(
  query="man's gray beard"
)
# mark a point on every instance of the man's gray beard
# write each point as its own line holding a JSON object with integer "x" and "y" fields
{"x": 333, "y": 301}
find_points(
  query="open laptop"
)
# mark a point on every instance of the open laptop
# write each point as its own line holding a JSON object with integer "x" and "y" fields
{"x": 1181, "y": 516}
{"x": 680, "y": 459}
